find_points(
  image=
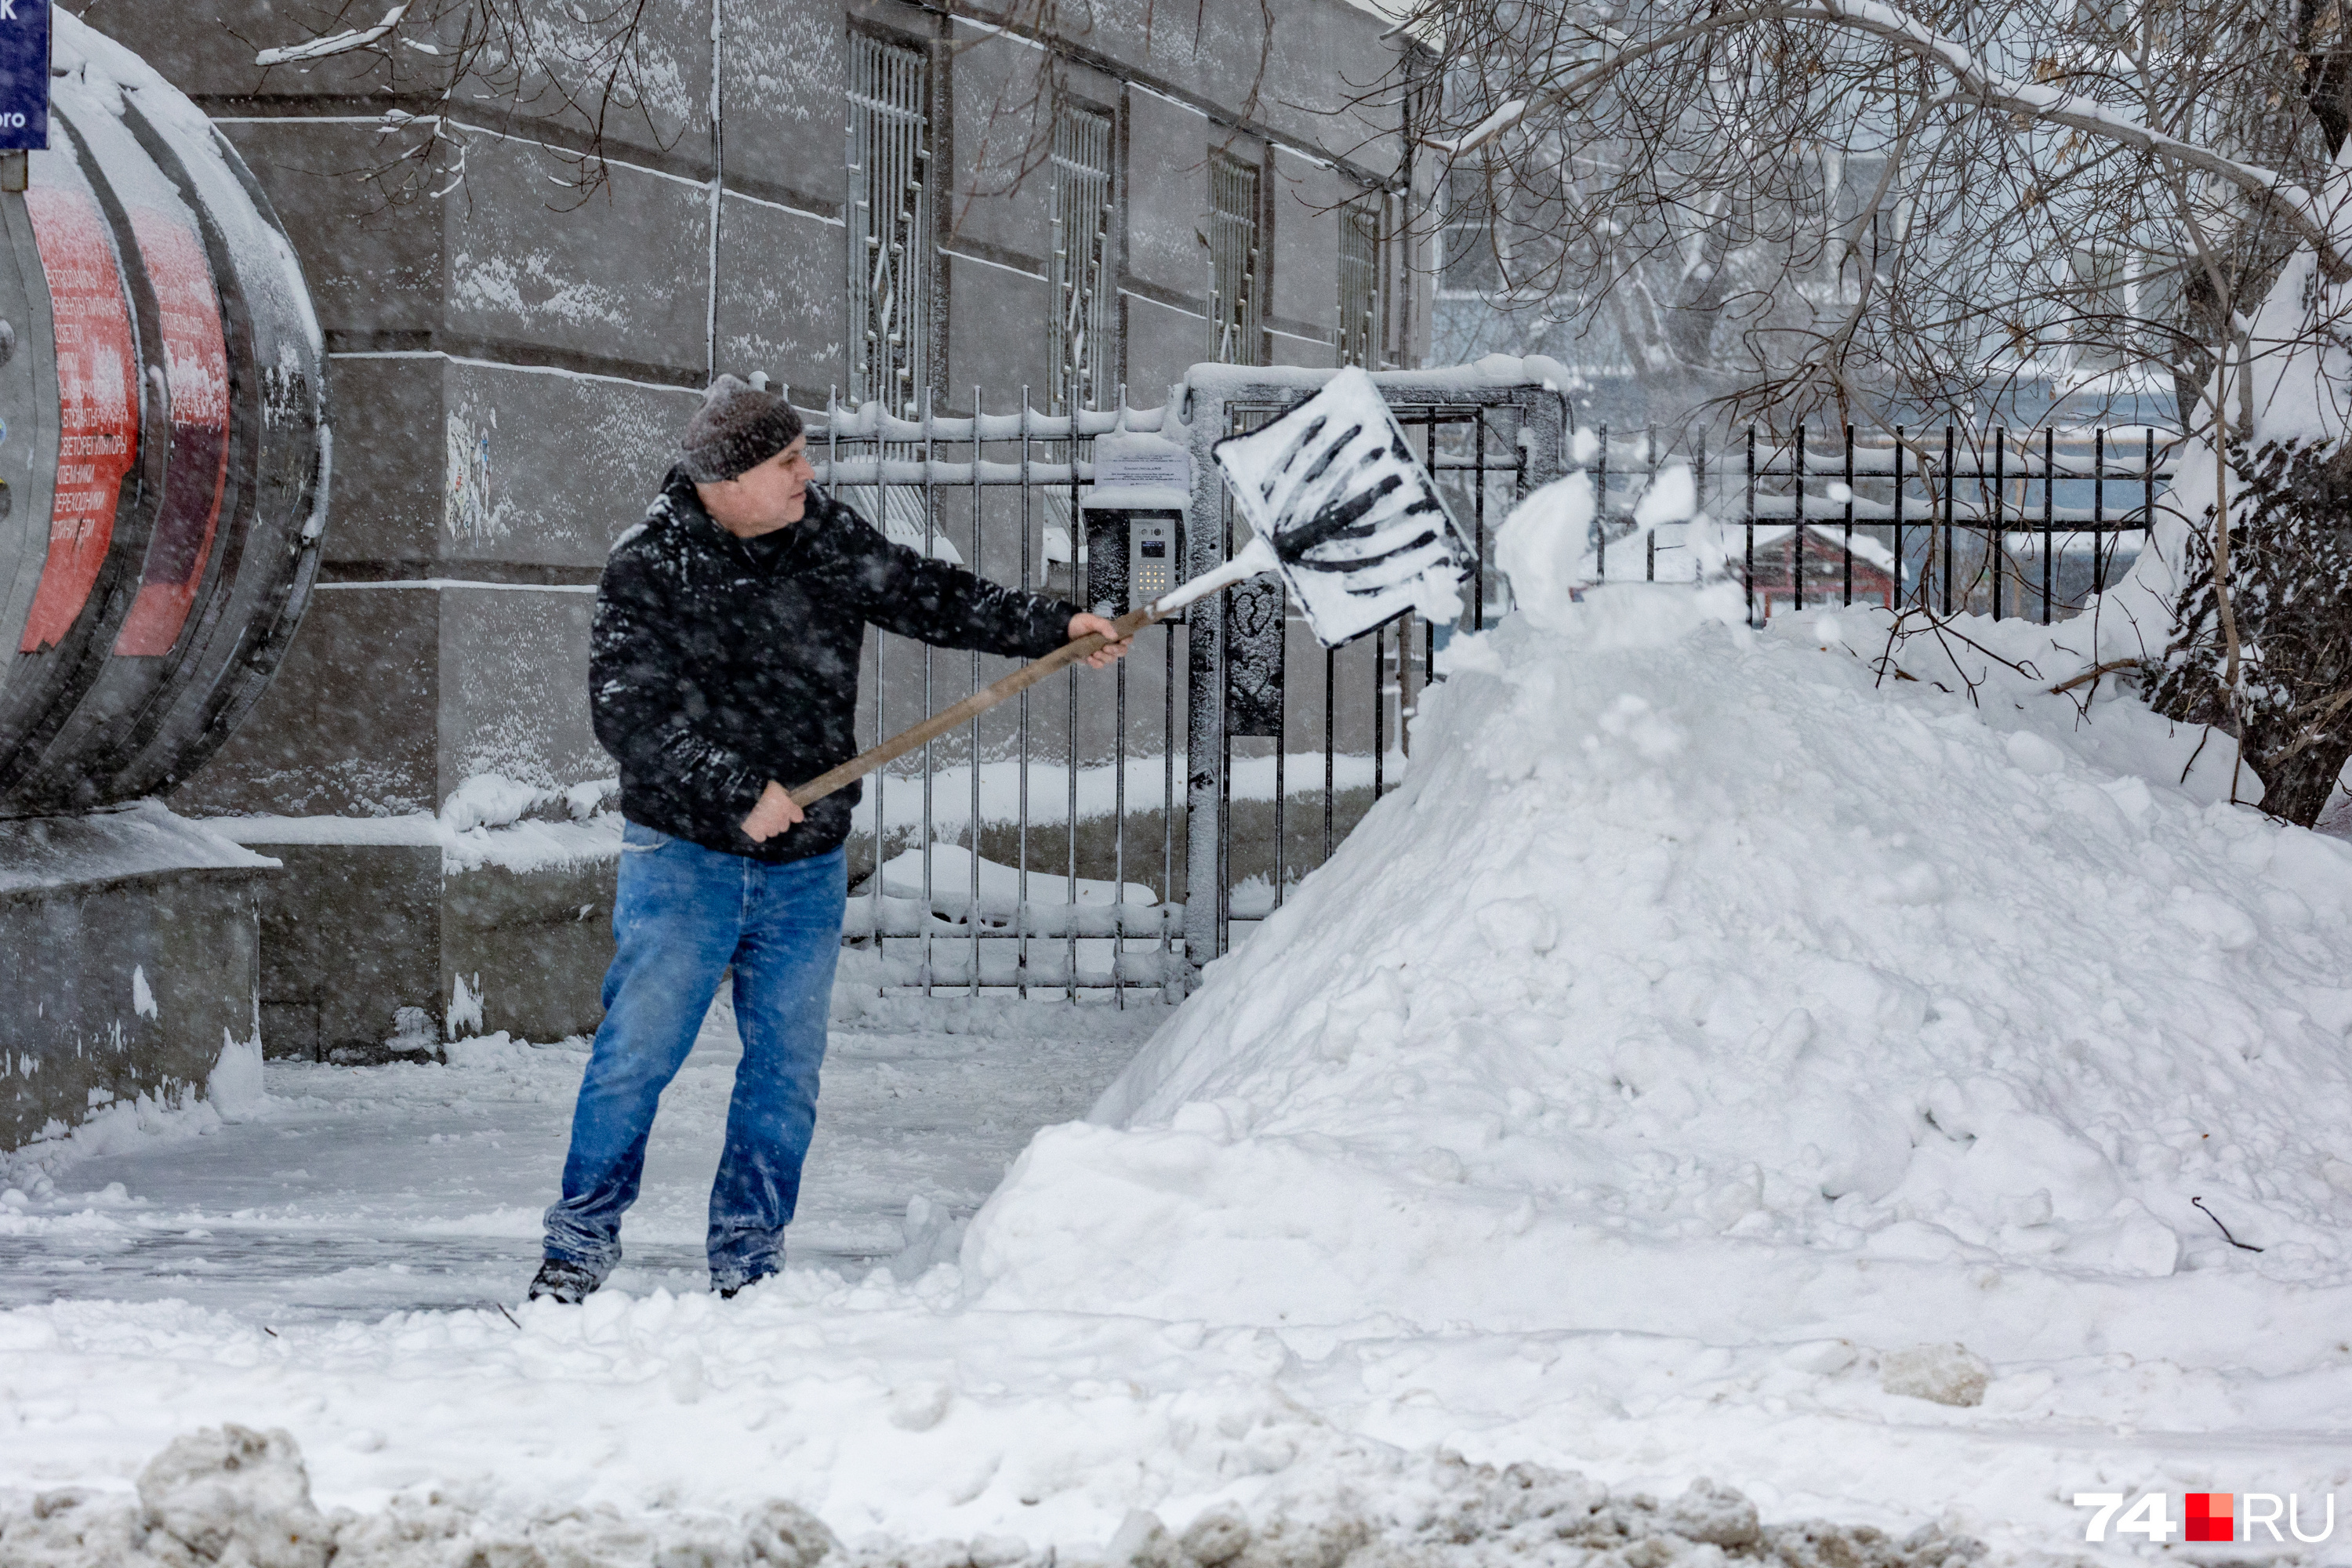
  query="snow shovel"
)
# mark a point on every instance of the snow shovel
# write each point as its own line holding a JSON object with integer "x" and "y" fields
{"x": 1341, "y": 509}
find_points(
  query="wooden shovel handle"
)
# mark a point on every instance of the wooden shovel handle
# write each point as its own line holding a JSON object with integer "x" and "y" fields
{"x": 980, "y": 701}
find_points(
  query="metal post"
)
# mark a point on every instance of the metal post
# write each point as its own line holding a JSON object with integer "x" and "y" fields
{"x": 2048, "y": 514}
{"x": 2147, "y": 486}
{"x": 2099, "y": 508}
{"x": 1797, "y": 521}
{"x": 1996, "y": 550}
{"x": 1600, "y": 512}
{"x": 930, "y": 535}
{"x": 1848, "y": 514}
{"x": 1203, "y": 420}
{"x": 1750, "y": 521}
{"x": 1950, "y": 465}
{"x": 1119, "y": 831}
{"x": 1070, "y": 723}
{"x": 1168, "y": 816}
{"x": 1478, "y": 578}
{"x": 1898, "y": 519}
{"x": 1021, "y": 906}
{"x": 972, "y": 911}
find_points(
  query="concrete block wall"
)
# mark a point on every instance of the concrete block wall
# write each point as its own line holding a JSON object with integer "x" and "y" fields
{"x": 133, "y": 949}
{"x": 511, "y": 363}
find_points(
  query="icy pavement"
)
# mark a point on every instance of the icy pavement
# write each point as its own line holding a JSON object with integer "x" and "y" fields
{"x": 359, "y": 1191}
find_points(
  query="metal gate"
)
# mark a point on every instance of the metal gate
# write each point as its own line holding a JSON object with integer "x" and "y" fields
{"x": 979, "y": 864}
{"x": 1262, "y": 692}
{"x": 1050, "y": 849}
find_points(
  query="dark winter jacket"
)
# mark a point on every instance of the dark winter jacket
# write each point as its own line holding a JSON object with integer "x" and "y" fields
{"x": 718, "y": 663}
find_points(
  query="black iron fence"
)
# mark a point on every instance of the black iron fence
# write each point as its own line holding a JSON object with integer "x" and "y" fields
{"x": 1036, "y": 852}
{"x": 1997, "y": 522}
{"x": 1049, "y": 849}
{"x": 1284, "y": 701}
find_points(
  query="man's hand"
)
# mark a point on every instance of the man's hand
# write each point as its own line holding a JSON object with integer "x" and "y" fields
{"x": 1083, "y": 625}
{"x": 777, "y": 810}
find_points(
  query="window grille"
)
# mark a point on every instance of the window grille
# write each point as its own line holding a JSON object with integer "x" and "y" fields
{"x": 890, "y": 264}
{"x": 890, "y": 227}
{"x": 1236, "y": 278}
{"x": 1081, "y": 331}
{"x": 1360, "y": 284}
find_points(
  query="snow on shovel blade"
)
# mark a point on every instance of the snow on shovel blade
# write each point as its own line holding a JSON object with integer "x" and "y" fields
{"x": 1356, "y": 524}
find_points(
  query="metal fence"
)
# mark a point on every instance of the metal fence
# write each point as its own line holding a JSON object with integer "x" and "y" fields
{"x": 1265, "y": 698}
{"x": 1050, "y": 849}
{"x": 1997, "y": 522}
{"x": 980, "y": 867}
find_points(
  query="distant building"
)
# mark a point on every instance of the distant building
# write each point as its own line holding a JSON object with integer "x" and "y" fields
{"x": 1831, "y": 568}
{"x": 1770, "y": 570}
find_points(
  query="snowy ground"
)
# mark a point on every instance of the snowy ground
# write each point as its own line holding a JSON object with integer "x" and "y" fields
{"x": 352, "y": 1191}
{"x": 1724, "y": 1057}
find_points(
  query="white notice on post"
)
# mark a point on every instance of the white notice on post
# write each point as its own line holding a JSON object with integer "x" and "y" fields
{"x": 1169, "y": 466}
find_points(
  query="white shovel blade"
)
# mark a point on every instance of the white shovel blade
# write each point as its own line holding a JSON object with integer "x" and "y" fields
{"x": 1354, "y": 518}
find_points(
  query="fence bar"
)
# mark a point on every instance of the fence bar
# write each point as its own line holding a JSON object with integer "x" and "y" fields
{"x": 2049, "y": 517}
{"x": 2147, "y": 486}
{"x": 972, "y": 911}
{"x": 1167, "y": 949}
{"x": 1848, "y": 516}
{"x": 1898, "y": 519}
{"x": 1021, "y": 901}
{"x": 1330, "y": 746}
{"x": 1797, "y": 528}
{"x": 1070, "y": 730}
{"x": 1748, "y": 576}
{"x": 1996, "y": 546}
{"x": 1951, "y": 490}
{"x": 931, "y": 703}
{"x": 1477, "y": 578}
{"x": 2098, "y": 512}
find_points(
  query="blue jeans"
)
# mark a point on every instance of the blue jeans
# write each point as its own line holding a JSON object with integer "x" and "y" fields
{"x": 683, "y": 915}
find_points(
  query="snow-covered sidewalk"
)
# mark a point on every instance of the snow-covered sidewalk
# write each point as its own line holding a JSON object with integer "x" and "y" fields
{"x": 351, "y": 1192}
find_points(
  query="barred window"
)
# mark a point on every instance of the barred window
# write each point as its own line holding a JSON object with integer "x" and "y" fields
{"x": 1236, "y": 278}
{"x": 1081, "y": 332}
{"x": 890, "y": 223}
{"x": 890, "y": 266}
{"x": 1360, "y": 283}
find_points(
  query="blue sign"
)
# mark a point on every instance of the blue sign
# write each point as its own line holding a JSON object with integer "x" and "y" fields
{"x": 24, "y": 73}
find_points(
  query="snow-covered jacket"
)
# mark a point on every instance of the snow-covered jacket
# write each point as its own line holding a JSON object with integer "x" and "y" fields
{"x": 716, "y": 665}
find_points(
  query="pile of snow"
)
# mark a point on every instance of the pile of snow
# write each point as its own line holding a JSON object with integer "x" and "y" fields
{"x": 1683, "y": 948}
{"x": 233, "y": 1496}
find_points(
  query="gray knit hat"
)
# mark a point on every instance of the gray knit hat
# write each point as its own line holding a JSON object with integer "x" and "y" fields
{"x": 739, "y": 426}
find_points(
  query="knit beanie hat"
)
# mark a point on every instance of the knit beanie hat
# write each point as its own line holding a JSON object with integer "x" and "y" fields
{"x": 739, "y": 426}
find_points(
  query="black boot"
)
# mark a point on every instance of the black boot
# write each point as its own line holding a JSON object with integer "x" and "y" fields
{"x": 728, "y": 1292}
{"x": 560, "y": 1280}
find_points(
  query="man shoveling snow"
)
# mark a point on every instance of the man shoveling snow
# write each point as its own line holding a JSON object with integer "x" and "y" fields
{"x": 724, "y": 660}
